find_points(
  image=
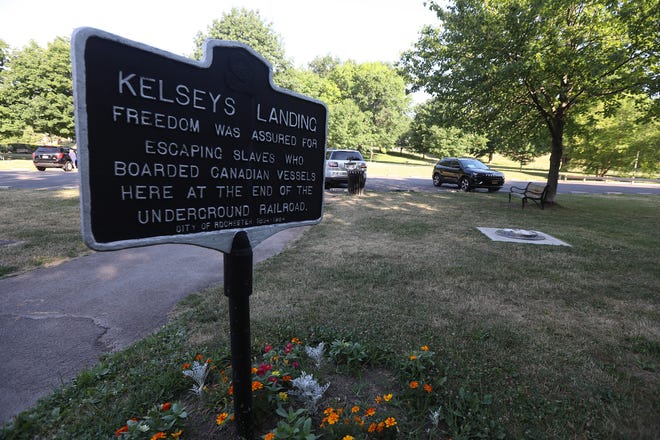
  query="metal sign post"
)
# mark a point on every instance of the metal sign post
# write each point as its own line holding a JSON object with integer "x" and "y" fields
{"x": 209, "y": 153}
{"x": 238, "y": 288}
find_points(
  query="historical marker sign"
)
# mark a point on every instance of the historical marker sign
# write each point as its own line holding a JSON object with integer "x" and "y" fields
{"x": 178, "y": 151}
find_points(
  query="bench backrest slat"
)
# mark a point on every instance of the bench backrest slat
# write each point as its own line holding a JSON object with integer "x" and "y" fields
{"x": 535, "y": 188}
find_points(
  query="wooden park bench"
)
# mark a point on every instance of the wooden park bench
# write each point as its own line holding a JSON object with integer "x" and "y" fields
{"x": 536, "y": 192}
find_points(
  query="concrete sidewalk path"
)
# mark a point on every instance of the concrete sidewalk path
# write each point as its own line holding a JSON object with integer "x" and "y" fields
{"x": 56, "y": 321}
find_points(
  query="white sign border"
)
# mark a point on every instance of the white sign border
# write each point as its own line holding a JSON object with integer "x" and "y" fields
{"x": 219, "y": 240}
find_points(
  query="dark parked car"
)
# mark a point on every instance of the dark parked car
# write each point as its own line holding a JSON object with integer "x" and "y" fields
{"x": 467, "y": 173}
{"x": 52, "y": 157}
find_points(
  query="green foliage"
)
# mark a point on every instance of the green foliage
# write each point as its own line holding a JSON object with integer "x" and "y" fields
{"x": 601, "y": 141}
{"x": 36, "y": 91}
{"x": 350, "y": 354}
{"x": 378, "y": 91}
{"x": 322, "y": 66}
{"x": 468, "y": 417}
{"x": 295, "y": 426}
{"x": 428, "y": 136}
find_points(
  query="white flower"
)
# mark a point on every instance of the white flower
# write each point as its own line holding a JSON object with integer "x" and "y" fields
{"x": 197, "y": 373}
{"x": 435, "y": 417}
{"x": 308, "y": 390}
{"x": 316, "y": 353}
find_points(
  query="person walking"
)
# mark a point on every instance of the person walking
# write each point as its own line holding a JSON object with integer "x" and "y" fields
{"x": 74, "y": 158}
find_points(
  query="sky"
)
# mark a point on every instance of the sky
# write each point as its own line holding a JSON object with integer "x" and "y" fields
{"x": 360, "y": 30}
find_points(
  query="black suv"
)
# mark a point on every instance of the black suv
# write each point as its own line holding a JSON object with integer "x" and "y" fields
{"x": 467, "y": 173}
{"x": 52, "y": 157}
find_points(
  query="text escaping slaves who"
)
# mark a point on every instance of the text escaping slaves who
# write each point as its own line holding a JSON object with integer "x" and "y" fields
{"x": 174, "y": 150}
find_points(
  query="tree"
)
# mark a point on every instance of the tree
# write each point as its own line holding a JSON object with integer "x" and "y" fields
{"x": 248, "y": 27}
{"x": 5, "y": 51}
{"x": 506, "y": 65}
{"x": 379, "y": 92}
{"x": 322, "y": 66}
{"x": 36, "y": 91}
{"x": 309, "y": 83}
{"x": 349, "y": 127}
{"x": 603, "y": 142}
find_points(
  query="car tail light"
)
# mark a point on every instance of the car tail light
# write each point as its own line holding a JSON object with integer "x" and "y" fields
{"x": 332, "y": 164}
{"x": 34, "y": 155}
{"x": 60, "y": 156}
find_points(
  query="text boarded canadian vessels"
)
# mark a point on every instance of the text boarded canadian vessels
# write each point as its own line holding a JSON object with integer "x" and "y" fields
{"x": 174, "y": 150}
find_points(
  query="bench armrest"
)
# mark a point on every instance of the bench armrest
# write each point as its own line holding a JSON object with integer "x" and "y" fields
{"x": 517, "y": 189}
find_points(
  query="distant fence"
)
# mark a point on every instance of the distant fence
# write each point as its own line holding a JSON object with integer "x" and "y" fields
{"x": 566, "y": 177}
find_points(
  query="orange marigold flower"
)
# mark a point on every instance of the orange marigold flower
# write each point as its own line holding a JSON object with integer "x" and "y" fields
{"x": 348, "y": 437}
{"x": 256, "y": 385}
{"x": 199, "y": 357}
{"x": 121, "y": 430}
{"x": 333, "y": 418}
{"x": 222, "y": 418}
{"x": 412, "y": 357}
{"x": 208, "y": 360}
{"x": 428, "y": 388}
{"x": 378, "y": 399}
{"x": 254, "y": 370}
{"x": 425, "y": 348}
{"x": 269, "y": 436}
{"x": 177, "y": 434}
{"x": 414, "y": 384}
{"x": 355, "y": 409}
{"x": 389, "y": 422}
{"x": 372, "y": 428}
{"x": 231, "y": 390}
{"x": 380, "y": 427}
{"x": 185, "y": 366}
{"x": 165, "y": 406}
{"x": 328, "y": 410}
{"x": 358, "y": 420}
{"x": 370, "y": 412}
{"x": 387, "y": 397}
{"x": 296, "y": 341}
{"x": 287, "y": 378}
{"x": 158, "y": 435}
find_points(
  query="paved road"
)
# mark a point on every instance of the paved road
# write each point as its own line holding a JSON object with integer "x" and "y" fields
{"x": 57, "y": 321}
{"x": 569, "y": 187}
{"x": 32, "y": 179}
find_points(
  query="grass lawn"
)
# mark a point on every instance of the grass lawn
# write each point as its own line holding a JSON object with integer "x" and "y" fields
{"x": 528, "y": 341}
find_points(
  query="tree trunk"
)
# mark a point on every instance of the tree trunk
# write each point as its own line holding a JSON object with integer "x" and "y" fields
{"x": 557, "y": 131}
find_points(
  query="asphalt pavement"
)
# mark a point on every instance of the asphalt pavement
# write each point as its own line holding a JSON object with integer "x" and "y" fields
{"x": 57, "y": 321}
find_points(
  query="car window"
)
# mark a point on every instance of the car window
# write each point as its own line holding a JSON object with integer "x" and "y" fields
{"x": 47, "y": 150}
{"x": 347, "y": 155}
{"x": 474, "y": 165}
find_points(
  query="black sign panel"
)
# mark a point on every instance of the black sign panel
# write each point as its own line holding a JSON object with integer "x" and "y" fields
{"x": 175, "y": 150}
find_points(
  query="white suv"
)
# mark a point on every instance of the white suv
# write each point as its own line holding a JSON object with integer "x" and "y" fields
{"x": 337, "y": 164}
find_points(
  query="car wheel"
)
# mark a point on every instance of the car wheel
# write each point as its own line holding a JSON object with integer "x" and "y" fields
{"x": 437, "y": 180}
{"x": 464, "y": 184}
{"x": 68, "y": 166}
{"x": 41, "y": 168}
